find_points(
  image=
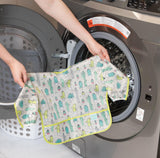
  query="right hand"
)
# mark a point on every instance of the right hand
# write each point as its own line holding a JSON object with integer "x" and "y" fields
{"x": 97, "y": 49}
{"x": 18, "y": 72}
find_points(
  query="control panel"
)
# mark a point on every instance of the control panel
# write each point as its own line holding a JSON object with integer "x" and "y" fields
{"x": 148, "y": 5}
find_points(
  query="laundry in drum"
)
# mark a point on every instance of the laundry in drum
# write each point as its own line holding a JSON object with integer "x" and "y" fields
{"x": 73, "y": 103}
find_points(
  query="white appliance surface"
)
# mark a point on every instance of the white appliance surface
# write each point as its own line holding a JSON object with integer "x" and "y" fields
{"x": 13, "y": 147}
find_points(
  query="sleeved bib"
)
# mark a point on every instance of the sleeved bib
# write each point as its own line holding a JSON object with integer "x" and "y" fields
{"x": 72, "y": 103}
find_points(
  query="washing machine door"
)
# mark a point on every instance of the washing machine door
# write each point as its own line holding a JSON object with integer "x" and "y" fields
{"x": 128, "y": 53}
{"x": 33, "y": 41}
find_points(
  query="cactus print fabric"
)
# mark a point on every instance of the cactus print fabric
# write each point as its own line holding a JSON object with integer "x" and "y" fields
{"x": 73, "y": 103}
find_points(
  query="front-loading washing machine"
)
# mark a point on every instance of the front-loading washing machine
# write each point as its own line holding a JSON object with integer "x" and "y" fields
{"x": 129, "y": 30}
{"x": 30, "y": 36}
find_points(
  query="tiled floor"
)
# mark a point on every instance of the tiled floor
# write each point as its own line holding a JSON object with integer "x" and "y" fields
{"x": 12, "y": 147}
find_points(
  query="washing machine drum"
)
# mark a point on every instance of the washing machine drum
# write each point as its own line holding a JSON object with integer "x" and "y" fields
{"x": 122, "y": 58}
{"x": 29, "y": 53}
{"x": 33, "y": 41}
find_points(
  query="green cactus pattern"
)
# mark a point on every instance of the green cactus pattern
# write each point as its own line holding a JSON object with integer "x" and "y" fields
{"x": 72, "y": 103}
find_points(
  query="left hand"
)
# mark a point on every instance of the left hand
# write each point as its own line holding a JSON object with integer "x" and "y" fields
{"x": 19, "y": 72}
{"x": 97, "y": 49}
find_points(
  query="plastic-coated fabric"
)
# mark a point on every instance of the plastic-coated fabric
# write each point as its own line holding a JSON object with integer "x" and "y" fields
{"x": 72, "y": 103}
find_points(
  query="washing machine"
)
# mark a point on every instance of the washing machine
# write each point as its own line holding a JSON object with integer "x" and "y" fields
{"x": 30, "y": 36}
{"x": 129, "y": 30}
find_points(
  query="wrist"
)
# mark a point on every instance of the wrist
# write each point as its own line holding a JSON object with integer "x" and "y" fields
{"x": 88, "y": 41}
{"x": 11, "y": 61}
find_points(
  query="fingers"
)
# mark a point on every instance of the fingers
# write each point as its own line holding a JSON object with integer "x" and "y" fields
{"x": 101, "y": 56}
{"x": 21, "y": 83}
{"x": 103, "y": 53}
{"x": 106, "y": 56}
{"x": 18, "y": 72}
{"x": 21, "y": 79}
{"x": 24, "y": 77}
{"x": 97, "y": 49}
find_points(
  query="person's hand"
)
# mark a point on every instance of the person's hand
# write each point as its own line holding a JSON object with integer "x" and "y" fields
{"x": 97, "y": 49}
{"x": 18, "y": 72}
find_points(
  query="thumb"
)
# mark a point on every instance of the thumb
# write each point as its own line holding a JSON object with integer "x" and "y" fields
{"x": 21, "y": 80}
{"x": 105, "y": 54}
{"x": 24, "y": 77}
{"x": 21, "y": 83}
